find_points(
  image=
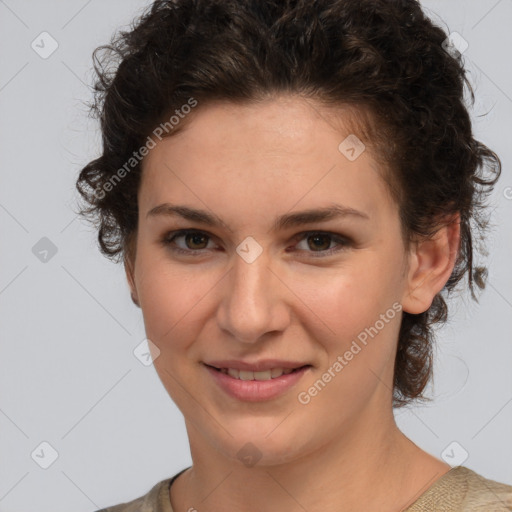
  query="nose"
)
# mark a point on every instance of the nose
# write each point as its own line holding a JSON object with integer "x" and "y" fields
{"x": 254, "y": 301}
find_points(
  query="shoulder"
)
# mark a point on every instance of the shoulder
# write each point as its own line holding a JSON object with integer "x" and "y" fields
{"x": 486, "y": 495}
{"x": 153, "y": 501}
{"x": 463, "y": 490}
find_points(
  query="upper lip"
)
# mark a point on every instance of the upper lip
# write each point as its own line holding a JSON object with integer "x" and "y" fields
{"x": 257, "y": 366}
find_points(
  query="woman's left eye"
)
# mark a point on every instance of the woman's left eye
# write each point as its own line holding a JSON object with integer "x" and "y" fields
{"x": 318, "y": 241}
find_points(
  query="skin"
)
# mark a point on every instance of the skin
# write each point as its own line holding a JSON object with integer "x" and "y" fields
{"x": 249, "y": 164}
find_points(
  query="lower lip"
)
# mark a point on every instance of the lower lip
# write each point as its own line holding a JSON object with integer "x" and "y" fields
{"x": 257, "y": 390}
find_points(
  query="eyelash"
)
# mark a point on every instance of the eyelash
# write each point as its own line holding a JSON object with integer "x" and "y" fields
{"x": 169, "y": 238}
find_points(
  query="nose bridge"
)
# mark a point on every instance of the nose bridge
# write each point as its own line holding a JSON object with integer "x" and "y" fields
{"x": 251, "y": 305}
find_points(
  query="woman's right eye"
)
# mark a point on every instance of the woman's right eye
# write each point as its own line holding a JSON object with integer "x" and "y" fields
{"x": 192, "y": 237}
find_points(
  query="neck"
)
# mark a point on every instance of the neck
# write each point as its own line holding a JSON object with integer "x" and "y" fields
{"x": 372, "y": 466}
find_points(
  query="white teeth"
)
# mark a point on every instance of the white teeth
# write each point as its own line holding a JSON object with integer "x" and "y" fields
{"x": 243, "y": 375}
{"x": 276, "y": 372}
{"x": 264, "y": 375}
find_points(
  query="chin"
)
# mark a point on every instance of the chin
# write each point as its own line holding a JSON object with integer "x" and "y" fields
{"x": 267, "y": 443}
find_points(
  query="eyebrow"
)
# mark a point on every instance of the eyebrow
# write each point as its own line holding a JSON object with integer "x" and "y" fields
{"x": 288, "y": 220}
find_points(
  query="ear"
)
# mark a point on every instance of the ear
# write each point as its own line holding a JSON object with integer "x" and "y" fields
{"x": 129, "y": 270}
{"x": 431, "y": 264}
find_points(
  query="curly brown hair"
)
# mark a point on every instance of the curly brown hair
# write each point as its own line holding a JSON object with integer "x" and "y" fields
{"x": 383, "y": 57}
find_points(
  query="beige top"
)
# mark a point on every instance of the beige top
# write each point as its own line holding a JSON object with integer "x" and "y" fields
{"x": 458, "y": 490}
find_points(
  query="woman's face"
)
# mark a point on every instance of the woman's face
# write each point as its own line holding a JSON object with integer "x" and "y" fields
{"x": 251, "y": 289}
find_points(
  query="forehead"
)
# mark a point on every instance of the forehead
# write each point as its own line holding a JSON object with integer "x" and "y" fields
{"x": 284, "y": 124}
{"x": 273, "y": 154}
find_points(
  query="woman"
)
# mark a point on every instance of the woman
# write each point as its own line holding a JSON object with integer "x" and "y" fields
{"x": 293, "y": 188}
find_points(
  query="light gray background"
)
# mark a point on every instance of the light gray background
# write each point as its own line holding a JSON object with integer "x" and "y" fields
{"x": 68, "y": 375}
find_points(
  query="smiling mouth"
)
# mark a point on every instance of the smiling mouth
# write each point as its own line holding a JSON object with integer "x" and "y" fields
{"x": 273, "y": 373}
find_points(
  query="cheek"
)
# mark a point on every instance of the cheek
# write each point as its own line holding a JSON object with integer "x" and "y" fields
{"x": 352, "y": 310}
{"x": 357, "y": 326}
{"x": 344, "y": 300}
{"x": 171, "y": 299}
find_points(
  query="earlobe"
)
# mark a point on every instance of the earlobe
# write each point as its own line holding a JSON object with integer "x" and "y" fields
{"x": 431, "y": 265}
{"x": 134, "y": 300}
{"x": 128, "y": 267}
